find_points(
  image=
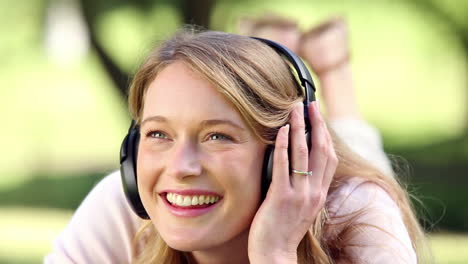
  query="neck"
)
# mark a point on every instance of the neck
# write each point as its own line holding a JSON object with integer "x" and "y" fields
{"x": 233, "y": 251}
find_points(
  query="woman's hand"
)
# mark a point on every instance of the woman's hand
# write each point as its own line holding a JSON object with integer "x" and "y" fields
{"x": 293, "y": 200}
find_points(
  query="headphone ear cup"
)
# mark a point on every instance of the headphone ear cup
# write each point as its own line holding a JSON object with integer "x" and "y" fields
{"x": 128, "y": 161}
{"x": 267, "y": 170}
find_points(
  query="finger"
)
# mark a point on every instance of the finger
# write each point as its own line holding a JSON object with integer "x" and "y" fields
{"x": 280, "y": 177}
{"x": 319, "y": 149}
{"x": 332, "y": 163}
{"x": 299, "y": 151}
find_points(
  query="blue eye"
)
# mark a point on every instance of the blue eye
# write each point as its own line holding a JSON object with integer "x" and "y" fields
{"x": 157, "y": 134}
{"x": 219, "y": 136}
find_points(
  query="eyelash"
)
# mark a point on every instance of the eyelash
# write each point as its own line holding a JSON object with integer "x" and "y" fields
{"x": 224, "y": 136}
{"x": 152, "y": 134}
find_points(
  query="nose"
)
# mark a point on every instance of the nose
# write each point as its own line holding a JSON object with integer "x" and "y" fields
{"x": 184, "y": 161}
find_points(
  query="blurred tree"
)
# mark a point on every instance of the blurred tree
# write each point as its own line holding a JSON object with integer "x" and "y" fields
{"x": 193, "y": 12}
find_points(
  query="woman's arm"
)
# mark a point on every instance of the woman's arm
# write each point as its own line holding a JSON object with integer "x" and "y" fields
{"x": 363, "y": 139}
{"x": 101, "y": 230}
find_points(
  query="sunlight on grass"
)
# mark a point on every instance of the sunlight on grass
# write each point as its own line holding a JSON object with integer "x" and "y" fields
{"x": 450, "y": 248}
{"x": 28, "y": 233}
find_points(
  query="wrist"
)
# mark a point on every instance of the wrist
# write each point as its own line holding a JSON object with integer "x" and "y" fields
{"x": 339, "y": 94}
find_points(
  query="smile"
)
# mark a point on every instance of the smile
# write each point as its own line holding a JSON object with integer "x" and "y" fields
{"x": 190, "y": 203}
{"x": 191, "y": 200}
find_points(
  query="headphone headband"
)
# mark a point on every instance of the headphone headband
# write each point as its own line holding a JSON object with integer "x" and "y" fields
{"x": 302, "y": 72}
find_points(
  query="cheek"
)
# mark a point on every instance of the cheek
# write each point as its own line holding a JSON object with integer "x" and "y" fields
{"x": 147, "y": 171}
{"x": 240, "y": 173}
{"x": 243, "y": 164}
{"x": 242, "y": 181}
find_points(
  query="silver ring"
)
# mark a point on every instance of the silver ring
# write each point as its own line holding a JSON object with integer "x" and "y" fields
{"x": 307, "y": 173}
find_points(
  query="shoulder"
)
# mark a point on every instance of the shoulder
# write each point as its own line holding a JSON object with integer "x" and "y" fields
{"x": 101, "y": 229}
{"x": 366, "y": 217}
{"x": 106, "y": 199}
{"x": 109, "y": 187}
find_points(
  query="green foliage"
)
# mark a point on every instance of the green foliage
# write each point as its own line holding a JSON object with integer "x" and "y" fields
{"x": 442, "y": 189}
{"x": 65, "y": 191}
{"x": 128, "y": 32}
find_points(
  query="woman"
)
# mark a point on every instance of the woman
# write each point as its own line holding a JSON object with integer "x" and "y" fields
{"x": 207, "y": 105}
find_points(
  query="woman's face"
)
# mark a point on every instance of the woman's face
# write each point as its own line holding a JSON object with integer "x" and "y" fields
{"x": 199, "y": 165}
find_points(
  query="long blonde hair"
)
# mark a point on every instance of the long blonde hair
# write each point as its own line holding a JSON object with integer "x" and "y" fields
{"x": 259, "y": 83}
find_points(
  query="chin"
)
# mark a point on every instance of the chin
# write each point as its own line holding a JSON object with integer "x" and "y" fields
{"x": 206, "y": 242}
{"x": 187, "y": 245}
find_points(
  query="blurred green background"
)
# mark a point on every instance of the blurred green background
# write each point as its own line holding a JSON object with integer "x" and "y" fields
{"x": 64, "y": 63}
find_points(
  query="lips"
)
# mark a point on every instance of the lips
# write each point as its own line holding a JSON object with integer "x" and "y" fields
{"x": 190, "y": 203}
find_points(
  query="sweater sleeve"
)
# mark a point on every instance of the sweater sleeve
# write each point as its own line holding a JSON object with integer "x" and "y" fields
{"x": 363, "y": 139}
{"x": 378, "y": 233}
{"x": 101, "y": 230}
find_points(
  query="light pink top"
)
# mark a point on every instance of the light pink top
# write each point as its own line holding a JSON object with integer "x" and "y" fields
{"x": 102, "y": 228}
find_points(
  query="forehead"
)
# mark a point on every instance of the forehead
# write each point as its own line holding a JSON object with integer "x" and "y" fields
{"x": 177, "y": 90}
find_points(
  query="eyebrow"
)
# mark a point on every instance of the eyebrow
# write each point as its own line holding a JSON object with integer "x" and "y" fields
{"x": 159, "y": 119}
{"x": 214, "y": 122}
{"x": 204, "y": 123}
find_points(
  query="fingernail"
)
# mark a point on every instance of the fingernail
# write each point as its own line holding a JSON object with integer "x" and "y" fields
{"x": 287, "y": 128}
{"x": 300, "y": 107}
{"x": 318, "y": 104}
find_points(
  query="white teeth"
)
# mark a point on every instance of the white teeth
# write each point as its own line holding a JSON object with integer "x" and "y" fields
{"x": 195, "y": 200}
{"x": 179, "y": 200}
{"x": 187, "y": 200}
{"x": 169, "y": 197}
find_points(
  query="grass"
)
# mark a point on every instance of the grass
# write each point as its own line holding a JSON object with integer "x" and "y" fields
{"x": 27, "y": 235}
{"x": 450, "y": 248}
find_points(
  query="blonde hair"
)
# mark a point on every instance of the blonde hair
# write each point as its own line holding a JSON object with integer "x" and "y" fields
{"x": 259, "y": 83}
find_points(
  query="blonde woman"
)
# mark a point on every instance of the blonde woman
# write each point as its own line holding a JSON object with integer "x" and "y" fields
{"x": 207, "y": 106}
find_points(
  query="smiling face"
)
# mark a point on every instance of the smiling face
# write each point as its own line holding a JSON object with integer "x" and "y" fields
{"x": 199, "y": 164}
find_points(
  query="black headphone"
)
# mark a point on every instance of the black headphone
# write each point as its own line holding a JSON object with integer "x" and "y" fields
{"x": 129, "y": 148}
